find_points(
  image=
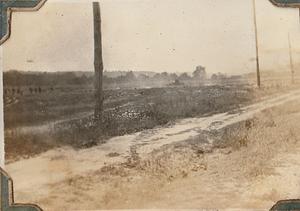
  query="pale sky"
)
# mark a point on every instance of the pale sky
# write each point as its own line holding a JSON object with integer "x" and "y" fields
{"x": 153, "y": 35}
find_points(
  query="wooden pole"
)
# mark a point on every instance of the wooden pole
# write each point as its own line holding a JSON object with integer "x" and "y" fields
{"x": 256, "y": 45}
{"x": 98, "y": 63}
{"x": 291, "y": 59}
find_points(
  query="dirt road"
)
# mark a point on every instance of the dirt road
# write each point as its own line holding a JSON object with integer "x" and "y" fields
{"x": 38, "y": 178}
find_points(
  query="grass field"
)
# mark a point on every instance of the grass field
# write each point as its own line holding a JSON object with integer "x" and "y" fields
{"x": 64, "y": 116}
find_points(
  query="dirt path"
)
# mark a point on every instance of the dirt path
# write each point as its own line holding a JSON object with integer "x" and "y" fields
{"x": 222, "y": 185}
{"x": 35, "y": 177}
{"x": 252, "y": 177}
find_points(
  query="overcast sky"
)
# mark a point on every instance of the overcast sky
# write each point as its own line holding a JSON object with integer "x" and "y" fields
{"x": 153, "y": 35}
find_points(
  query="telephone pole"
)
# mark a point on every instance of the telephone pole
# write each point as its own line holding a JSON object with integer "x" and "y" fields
{"x": 291, "y": 59}
{"x": 98, "y": 63}
{"x": 256, "y": 45}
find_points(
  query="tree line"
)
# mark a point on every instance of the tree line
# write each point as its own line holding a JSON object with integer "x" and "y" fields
{"x": 52, "y": 79}
{"x": 19, "y": 78}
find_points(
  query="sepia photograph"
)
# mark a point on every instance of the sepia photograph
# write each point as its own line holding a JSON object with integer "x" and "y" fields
{"x": 152, "y": 104}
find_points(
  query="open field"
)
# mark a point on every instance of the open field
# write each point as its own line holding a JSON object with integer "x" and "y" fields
{"x": 167, "y": 147}
{"x": 38, "y": 122}
{"x": 237, "y": 159}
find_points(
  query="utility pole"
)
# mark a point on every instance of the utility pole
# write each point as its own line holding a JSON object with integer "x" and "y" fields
{"x": 256, "y": 44}
{"x": 98, "y": 63}
{"x": 291, "y": 59}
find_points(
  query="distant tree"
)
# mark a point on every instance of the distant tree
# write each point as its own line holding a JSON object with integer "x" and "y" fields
{"x": 157, "y": 76}
{"x": 40, "y": 89}
{"x": 143, "y": 77}
{"x": 199, "y": 73}
{"x": 218, "y": 77}
{"x": 30, "y": 90}
{"x": 173, "y": 76}
{"x": 184, "y": 77}
{"x": 130, "y": 76}
{"x": 214, "y": 77}
{"x": 165, "y": 75}
{"x": 222, "y": 76}
{"x": 84, "y": 79}
{"x": 177, "y": 82}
